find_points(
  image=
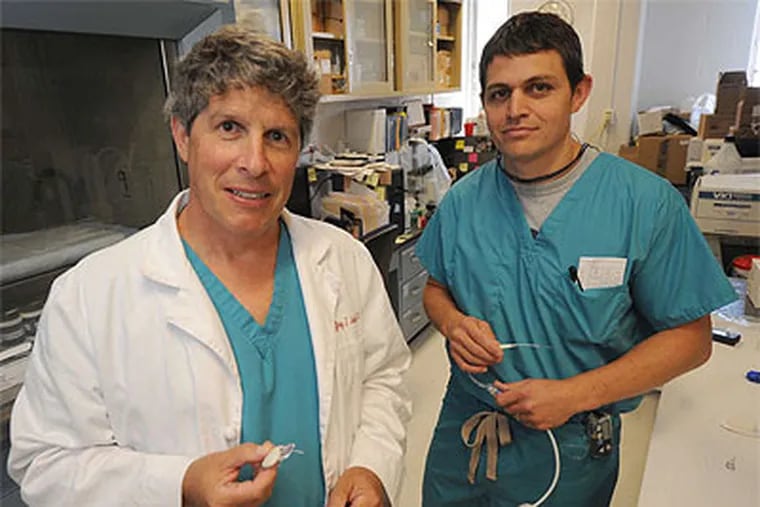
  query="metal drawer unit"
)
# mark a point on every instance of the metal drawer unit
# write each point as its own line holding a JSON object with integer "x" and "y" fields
{"x": 407, "y": 283}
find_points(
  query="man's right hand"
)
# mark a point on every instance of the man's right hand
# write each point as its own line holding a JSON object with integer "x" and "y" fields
{"x": 212, "y": 480}
{"x": 473, "y": 344}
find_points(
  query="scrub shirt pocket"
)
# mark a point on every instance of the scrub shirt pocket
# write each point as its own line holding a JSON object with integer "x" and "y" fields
{"x": 594, "y": 314}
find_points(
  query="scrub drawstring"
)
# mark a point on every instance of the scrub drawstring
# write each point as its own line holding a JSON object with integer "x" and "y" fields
{"x": 493, "y": 428}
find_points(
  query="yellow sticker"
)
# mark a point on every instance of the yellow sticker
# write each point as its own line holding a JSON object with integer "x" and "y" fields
{"x": 459, "y": 144}
{"x": 463, "y": 167}
{"x": 373, "y": 179}
{"x": 311, "y": 175}
{"x": 380, "y": 191}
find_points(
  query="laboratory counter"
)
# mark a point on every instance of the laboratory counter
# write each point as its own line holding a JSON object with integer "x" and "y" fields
{"x": 705, "y": 443}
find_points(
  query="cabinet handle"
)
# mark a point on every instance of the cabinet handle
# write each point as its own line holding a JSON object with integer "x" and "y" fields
{"x": 417, "y": 317}
{"x": 415, "y": 290}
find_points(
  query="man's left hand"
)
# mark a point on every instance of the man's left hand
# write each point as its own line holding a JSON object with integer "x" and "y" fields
{"x": 538, "y": 403}
{"x": 358, "y": 487}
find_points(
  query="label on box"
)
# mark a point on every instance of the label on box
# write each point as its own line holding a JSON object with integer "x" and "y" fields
{"x": 472, "y": 157}
{"x": 468, "y": 149}
{"x": 311, "y": 175}
{"x": 373, "y": 179}
{"x": 459, "y": 144}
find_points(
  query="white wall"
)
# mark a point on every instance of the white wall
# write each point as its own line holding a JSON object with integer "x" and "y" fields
{"x": 687, "y": 42}
{"x": 481, "y": 18}
{"x": 610, "y": 33}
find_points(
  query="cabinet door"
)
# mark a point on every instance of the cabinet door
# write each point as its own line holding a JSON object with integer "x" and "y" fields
{"x": 448, "y": 41}
{"x": 319, "y": 31}
{"x": 271, "y": 16}
{"x": 369, "y": 32}
{"x": 415, "y": 46}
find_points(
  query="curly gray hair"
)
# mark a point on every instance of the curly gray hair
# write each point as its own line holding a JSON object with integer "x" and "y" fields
{"x": 235, "y": 56}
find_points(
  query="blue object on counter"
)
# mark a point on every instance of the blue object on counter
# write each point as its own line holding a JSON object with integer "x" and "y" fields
{"x": 753, "y": 376}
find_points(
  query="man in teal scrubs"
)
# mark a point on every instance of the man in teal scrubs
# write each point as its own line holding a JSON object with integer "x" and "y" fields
{"x": 593, "y": 261}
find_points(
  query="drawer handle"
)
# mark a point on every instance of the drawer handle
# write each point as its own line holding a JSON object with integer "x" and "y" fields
{"x": 415, "y": 290}
{"x": 417, "y": 317}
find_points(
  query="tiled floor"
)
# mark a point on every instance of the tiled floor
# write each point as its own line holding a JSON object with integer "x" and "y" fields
{"x": 427, "y": 379}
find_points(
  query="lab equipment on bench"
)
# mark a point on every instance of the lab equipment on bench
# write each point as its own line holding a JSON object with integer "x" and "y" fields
{"x": 727, "y": 206}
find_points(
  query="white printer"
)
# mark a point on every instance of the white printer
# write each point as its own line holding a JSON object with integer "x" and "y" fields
{"x": 727, "y": 204}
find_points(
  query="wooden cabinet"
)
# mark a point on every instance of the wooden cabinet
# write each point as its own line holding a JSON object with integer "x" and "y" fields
{"x": 428, "y": 45}
{"x": 350, "y": 42}
{"x": 381, "y": 47}
{"x": 448, "y": 45}
{"x": 415, "y": 45}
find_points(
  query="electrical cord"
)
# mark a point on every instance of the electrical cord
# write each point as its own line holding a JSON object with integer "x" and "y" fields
{"x": 555, "y": 479}
{"x": 318, "y": 187}
{"x": 493, "y": 390}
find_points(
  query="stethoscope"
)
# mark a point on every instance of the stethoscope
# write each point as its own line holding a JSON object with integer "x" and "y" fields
{"x": 493, "y": 390}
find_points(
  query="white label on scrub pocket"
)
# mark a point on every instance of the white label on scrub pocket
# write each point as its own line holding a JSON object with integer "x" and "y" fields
{"x": 601, "y": 272}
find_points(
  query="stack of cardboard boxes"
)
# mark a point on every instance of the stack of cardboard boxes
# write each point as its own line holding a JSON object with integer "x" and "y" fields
{"x": 737, "y": 106}
{"x": 663, "y": 154}
{"x": 729, "y": 107}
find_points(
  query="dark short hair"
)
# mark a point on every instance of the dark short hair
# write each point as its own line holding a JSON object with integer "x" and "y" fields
{"x": 236, "y": 57}
{"x": 531, "y": 32}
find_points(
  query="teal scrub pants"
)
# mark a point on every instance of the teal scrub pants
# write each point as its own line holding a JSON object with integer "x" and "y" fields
{"x": 525, "y": 467}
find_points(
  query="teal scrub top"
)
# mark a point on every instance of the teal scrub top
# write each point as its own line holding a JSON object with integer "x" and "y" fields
{"x": 478, "y": 244}
{"x": 278, "y": 376}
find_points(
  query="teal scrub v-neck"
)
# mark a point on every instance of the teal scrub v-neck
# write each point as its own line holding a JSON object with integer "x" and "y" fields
{"x": 277, "y": 375}
{"x": 479, "y": 245}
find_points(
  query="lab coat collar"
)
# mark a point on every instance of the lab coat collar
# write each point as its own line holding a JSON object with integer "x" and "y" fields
{"x": 193, "y": 311}
{"x": 167, "y": 263}
{"x": 189, "y": 308}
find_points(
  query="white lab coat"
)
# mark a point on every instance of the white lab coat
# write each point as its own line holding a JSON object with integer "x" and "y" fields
{"x": 132, "y": 376}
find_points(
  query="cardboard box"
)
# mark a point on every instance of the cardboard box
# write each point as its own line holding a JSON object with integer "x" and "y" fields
{"x": 443, "y": 20}
{"x": 316, "y": 23}
{"x": 749, "y": 108}
{"x": 652, "y": 151}
{"x": 713, "y": 126}
{"x": 333, "y": 9}
{"x": 731, "y": 87}
{"x": 384, "y": 178}
{"x": 334, "y": 26}
{"x": 649, "y": 122}
{"x": 675, "y": 165}
{"x": 630, "y": 153}
{"x": 664, "y": 155}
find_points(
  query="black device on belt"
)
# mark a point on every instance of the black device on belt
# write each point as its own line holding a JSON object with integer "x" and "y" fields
{"x": 599, "y": 432}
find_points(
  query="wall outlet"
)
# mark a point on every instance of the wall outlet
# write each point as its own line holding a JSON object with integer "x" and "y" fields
{"x": 608, "y": 117}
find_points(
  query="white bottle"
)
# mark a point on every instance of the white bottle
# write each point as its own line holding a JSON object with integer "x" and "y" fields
{"x": 481, "y": 126}
{"x": 727, "y": 160}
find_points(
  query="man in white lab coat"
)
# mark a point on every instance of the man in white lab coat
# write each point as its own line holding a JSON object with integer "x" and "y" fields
{"x": 166, "y": 366}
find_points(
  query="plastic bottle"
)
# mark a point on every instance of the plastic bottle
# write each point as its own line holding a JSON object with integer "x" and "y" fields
{"x": 727, "y": 160}
{"x": 481, "y": 126}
